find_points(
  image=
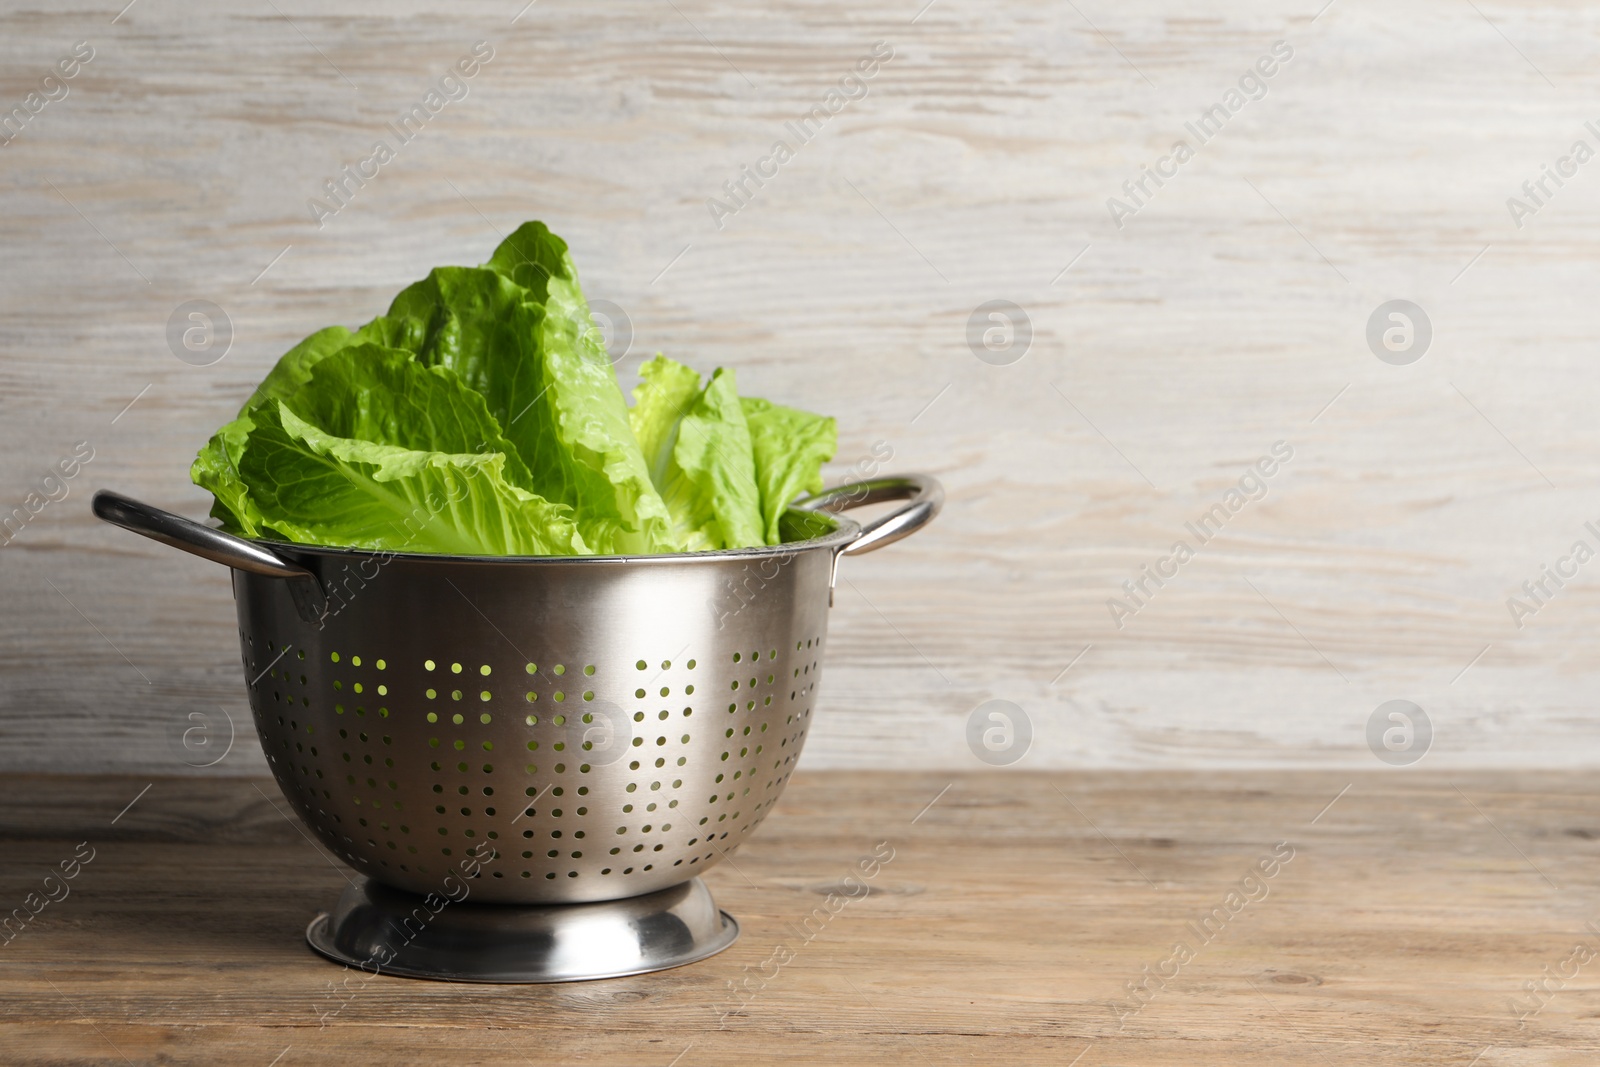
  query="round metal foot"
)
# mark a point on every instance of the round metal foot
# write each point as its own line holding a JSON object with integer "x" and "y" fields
{"x": 387, "y": 931}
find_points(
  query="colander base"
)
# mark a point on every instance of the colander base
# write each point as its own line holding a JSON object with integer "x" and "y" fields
{"x": 381, "y": 930}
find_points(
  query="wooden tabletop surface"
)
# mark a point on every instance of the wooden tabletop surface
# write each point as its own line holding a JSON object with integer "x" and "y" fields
{"x": 1396, "y": 924}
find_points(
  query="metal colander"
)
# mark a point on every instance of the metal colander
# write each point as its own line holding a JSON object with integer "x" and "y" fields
{"x": 600, "y": 727}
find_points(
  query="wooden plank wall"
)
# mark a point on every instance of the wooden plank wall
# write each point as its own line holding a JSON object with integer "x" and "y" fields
{"x": 1228, "y": 312}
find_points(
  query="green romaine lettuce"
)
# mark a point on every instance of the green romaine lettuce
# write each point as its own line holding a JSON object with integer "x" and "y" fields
{"x": 530, "y": 257}
{"x": 322, "y": 489}
{"x": 217, "y": 466}
{"x": 485, "y": 398}
{"x": 790, "y": 446}
{"x": 699, "y": 453}
{"x": 383, "y": 395}
{"x": 544, "y": 377}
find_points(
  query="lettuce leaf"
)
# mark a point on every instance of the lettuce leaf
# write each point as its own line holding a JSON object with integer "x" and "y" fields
{"x": 217, "y": 466}
{"x": 383, "y": 395}
{"x": 546, "y": 379}
{"x": 530, "y": 257}
{"x": 790, "y": 446}
{"x": 321, "y": 489}
{"x": 699, "y": 453}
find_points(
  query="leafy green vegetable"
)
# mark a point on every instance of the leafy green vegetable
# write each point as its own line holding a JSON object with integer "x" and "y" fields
{"x": 698, "y": 448}
{"x": 530, "y": 257}
{"x": 547, "y": 381}
{"x": 322, "y": 489}
{"x": 665, "y": 391}
{"x": 217, "y": 466}
{"x": 485, "y": 398}
{"x": 789, "y": 447}
{"x": 383, "y": 395}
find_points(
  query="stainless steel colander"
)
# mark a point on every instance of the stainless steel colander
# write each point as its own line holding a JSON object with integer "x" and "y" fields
{"x": 578, "y": 730}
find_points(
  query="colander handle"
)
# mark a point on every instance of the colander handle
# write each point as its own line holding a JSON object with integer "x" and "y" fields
{"x": 923, "y": 493}
{"x": 214, "y": 545}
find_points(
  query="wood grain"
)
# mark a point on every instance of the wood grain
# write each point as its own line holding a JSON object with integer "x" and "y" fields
{"x": 1226, "y": 315}
{"x": 1016, "y": 910}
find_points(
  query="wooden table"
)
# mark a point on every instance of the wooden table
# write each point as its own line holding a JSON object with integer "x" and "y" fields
{"x": 1016, "y": 910}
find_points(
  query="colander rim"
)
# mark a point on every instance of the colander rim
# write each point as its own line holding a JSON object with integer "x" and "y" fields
{"x": 845, "y": 531}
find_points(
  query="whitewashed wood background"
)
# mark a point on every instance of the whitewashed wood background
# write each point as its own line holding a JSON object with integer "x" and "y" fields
{"x": 1228, "y": 314}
